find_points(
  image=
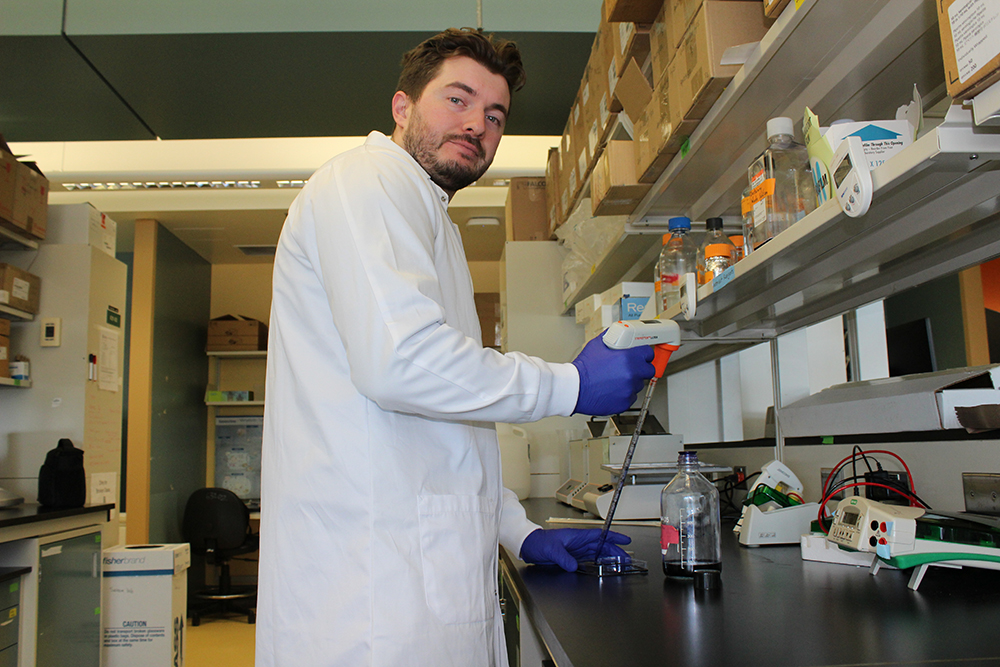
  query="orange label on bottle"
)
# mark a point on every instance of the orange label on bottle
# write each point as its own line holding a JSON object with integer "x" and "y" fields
{"x": 765, "y": 189}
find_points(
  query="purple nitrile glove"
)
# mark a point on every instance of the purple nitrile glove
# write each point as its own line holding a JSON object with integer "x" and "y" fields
{"x": 564, "y": 546}
{"x": 611, "y": 379}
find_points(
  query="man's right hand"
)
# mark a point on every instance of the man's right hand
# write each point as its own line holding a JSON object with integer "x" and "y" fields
{"x": 611, "y": 379}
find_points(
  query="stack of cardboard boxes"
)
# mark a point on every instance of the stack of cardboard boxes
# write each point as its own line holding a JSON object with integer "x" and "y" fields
{"x": 683, "y": 42}
{"x": 24, "y": 196}
{"x": 4, "y": 348}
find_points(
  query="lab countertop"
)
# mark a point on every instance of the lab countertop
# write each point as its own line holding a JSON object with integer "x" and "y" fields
{"x": 773, "y": 609}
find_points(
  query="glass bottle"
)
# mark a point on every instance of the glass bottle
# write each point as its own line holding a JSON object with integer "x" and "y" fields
{"x": 723, "y": 252}
{"x": 678, "y": 257}
{"x": 690, "y": 525}
{"x": 782, "y": 190}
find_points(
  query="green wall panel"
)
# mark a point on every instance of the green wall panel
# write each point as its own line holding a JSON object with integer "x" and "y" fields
{"x": 180, "y": 371}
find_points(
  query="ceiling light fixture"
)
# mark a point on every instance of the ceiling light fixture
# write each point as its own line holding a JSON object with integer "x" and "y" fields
{"x": 292, "y": 184}
{"x": 482, "y": 222}
{"x": 165, "y": 185}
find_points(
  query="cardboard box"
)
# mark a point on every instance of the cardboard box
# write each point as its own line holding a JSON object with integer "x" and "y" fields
{"x": 614, "y": 189}
{"x": 19, "y": 289}
{"x": 5, "y": 356}
{"x": 633, "y": 91}
{"x": 586, "y": 307}
{"x": 682, "y": 13}
{"x": 696, "y": 77}
{"x": 635, "y": 11}
{"x": 962, "y": 398}
{"x": 31, "y": 201}
{"x": 526, "y": 210}
{"x": 145, "y": 604}
{"x": 661, "y": 43}
{"x": 235, "y": 333}
{"x": 627, "y": 299}
{"x": 8, "y": 181}
{"x": 630, "y": 41}
{"x": 4, "y": 327}
{"x": 660, "y": 134}
{"x": 970, "y": 44}
{"x": 82, "y": 223}
{"x": 552, "y": 198}
{"x": 773, "y": 8}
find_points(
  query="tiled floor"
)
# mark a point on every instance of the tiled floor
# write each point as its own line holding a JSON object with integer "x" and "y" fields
{"x": 220, "y": 642}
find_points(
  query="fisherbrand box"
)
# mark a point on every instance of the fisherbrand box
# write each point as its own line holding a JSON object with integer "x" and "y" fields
{"x": 145, "y": 604}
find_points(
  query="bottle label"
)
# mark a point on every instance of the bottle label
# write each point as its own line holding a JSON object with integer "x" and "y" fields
{"x": 761, "y": 190}
{"x": 670, "y": 280}
{"x": 669, "y": 535}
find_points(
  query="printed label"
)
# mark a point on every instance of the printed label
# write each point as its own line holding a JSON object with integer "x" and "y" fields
{"x": 21, "y": 289}
{"x": 669, "y": 535}
{"x": 975, "y": 31}
{"x": 723, "y": 278}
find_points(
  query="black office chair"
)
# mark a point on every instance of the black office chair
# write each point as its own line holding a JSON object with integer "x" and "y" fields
{"x": 217, "y": 525}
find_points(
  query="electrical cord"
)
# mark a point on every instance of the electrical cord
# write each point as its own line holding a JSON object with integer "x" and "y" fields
{"x": 837, "y": 468}
{"x": 822, "y": 506}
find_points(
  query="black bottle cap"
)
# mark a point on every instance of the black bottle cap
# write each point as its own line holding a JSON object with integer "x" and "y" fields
{"x": 713, "y": 223}
{"x": 707, "y": 579}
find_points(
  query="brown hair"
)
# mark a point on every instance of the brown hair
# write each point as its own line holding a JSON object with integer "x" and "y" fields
{"x": 421, "y": 64}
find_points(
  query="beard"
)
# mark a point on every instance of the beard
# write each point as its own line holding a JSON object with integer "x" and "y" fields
{"x": 450, "y": 175}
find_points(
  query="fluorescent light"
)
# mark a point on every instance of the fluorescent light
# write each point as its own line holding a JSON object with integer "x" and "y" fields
{"x": 165, "y": 185}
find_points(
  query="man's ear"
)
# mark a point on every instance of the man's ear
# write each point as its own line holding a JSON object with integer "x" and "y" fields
{"x": 401, "y": 108}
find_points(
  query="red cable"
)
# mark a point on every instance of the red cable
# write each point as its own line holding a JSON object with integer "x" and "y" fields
{"x": 862, "y": 453}
{"x": 822, "y": 505}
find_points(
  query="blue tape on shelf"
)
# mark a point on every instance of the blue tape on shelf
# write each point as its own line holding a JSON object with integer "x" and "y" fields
{"x": 723, "y": 278}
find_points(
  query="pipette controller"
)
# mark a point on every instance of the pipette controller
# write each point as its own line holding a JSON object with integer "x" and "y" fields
{"x": 665, "y": 335}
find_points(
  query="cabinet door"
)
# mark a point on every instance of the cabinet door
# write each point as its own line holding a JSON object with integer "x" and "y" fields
{"x": 69, "y": 602}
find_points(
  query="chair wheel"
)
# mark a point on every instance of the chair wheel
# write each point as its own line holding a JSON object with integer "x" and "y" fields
{"x": 251, "y": 617}
{"x": 195, "y": 620}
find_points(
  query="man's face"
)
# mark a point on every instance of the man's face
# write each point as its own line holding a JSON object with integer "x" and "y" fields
{"x": 454, "y": 128}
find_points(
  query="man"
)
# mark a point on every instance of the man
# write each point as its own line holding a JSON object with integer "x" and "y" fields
{"x": 382, "y": 503}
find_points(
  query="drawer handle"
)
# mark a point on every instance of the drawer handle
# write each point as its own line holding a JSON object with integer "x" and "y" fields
{"x": 6, "y": 623}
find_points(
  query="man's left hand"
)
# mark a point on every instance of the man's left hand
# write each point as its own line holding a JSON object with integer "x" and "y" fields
{"x": 564, "y": 546}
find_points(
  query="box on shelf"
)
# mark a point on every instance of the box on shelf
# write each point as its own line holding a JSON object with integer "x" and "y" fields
{"x": 586, "y": 307}
{"x": 627, "y": 299}
{"x": 216, "y": 396}
{"x": 633, "y": 91}
{"x": 630, "y": 41}
{"x": 614, "y": 189}
{"x": 24, "y": 195}
{"x": 145, "y": 604}
{"x": 659, "y": 134}
{"x": 235, "y": 333}
{"x": 635, "y": 11}
{"x": 5, "y": 356}
{"x": 19, "y": 289}
{"x": 682, "y": 13}
{"x": 82, "y": 223}
{"x": 4, "y": 326}
{"x": 970, "y": 44}
{"x": 962, "y": 398}
{"x": 661, "y": 44}
{"x": 31, "y": 200}
{"x": 552, "y": 196}
{"x": 8, "y": 183}
{"x": 526, "y": 212}
{"x": 773, "y": 8}
{"x": 696, "y": 75}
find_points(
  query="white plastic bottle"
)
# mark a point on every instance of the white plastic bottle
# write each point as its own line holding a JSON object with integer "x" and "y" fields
{"x": 716, "y": 254}
{"x": 690, "y": 524}
{"x": 782, "y": 190}
{"x": 678, "y": 257}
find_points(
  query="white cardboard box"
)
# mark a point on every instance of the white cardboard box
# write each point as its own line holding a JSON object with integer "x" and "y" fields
{"x": 145, "y": 604}
{"x": 82, "y": 223}
{"x": 962, "y": 398}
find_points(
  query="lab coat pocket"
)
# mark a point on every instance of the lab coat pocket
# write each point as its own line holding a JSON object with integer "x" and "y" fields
{"x": 457, "y": 542}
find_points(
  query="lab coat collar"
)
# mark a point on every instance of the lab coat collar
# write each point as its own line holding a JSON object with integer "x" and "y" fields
{"x": 376, "y": 138}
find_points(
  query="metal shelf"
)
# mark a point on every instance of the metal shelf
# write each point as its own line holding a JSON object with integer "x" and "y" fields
{"x": 15, "y": 383}
{"x": 234, "y": 404}
{"x": 15, "y": 314}
{"x": 11, "y": 240}
{"x": 935, "y": 212}
{"x": 846, "y": 59}
{"x": 245, "y": 354}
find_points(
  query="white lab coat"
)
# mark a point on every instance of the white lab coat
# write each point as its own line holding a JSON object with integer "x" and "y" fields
{"x": 381, "y": 496}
